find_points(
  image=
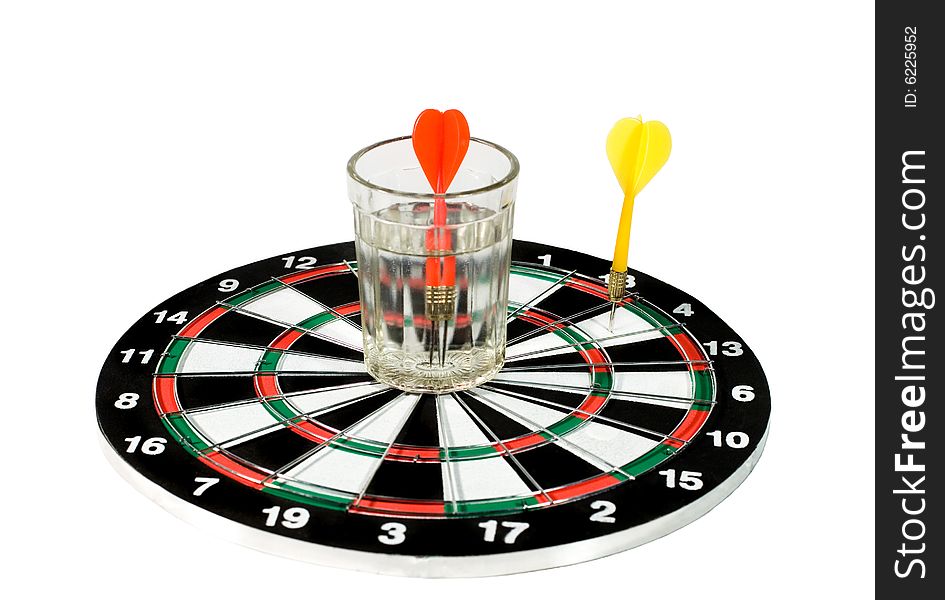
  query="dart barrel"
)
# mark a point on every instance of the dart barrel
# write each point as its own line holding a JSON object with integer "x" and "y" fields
{"x": 616, "y": 285}
{"x": 440, "y": 302}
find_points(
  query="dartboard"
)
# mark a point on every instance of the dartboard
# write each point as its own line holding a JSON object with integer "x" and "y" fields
{"x": 243, "y": 404}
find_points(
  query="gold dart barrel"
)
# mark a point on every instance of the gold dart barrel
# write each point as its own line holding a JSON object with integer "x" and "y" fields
{"x": 616, "y": 285}
{"x": 616, "y": 288}
{"x": 439, "y": 302}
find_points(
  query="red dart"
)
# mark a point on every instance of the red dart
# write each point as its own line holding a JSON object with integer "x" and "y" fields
{"x": 440, "y": 141}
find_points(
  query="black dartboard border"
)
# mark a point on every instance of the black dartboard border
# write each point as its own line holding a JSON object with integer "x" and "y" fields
{"x": 561, "y": 534}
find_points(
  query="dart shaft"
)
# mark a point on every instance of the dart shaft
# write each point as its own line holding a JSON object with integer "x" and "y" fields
{"x": 622, "y": 247}
{"x": 440, "y": 290}
{"x": 440, "y": 270}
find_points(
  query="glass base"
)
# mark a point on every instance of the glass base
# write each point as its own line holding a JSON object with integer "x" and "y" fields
{"x": 413, "y": 372}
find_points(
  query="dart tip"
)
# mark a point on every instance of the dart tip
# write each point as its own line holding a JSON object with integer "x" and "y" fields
{"x": 443, "y": 345}
{"x": 613, "y": 312}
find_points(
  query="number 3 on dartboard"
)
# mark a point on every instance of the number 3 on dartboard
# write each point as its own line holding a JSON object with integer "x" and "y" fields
{"x": 394, "y": 533}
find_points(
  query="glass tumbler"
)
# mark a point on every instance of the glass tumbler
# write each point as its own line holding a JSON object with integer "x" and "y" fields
{"x": 433, "y": 296}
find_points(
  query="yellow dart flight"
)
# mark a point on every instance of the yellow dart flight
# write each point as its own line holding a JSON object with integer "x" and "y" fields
{"x": 637, "y": 151}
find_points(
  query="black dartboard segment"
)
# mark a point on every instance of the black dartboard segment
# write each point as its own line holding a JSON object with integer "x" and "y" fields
{"x": 242, "y": 403}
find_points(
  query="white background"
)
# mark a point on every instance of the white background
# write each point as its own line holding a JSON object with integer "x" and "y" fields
{"x": 147, "y": 146}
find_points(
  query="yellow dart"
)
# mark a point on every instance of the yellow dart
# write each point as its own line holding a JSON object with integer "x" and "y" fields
{"x": 637, "y": 151}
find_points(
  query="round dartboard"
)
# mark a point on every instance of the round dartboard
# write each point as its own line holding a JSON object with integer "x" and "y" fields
{"x": 243, "y": 404}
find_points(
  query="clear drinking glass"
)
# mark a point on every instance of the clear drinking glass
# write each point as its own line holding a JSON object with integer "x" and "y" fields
{"x": 422, "y": 334}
